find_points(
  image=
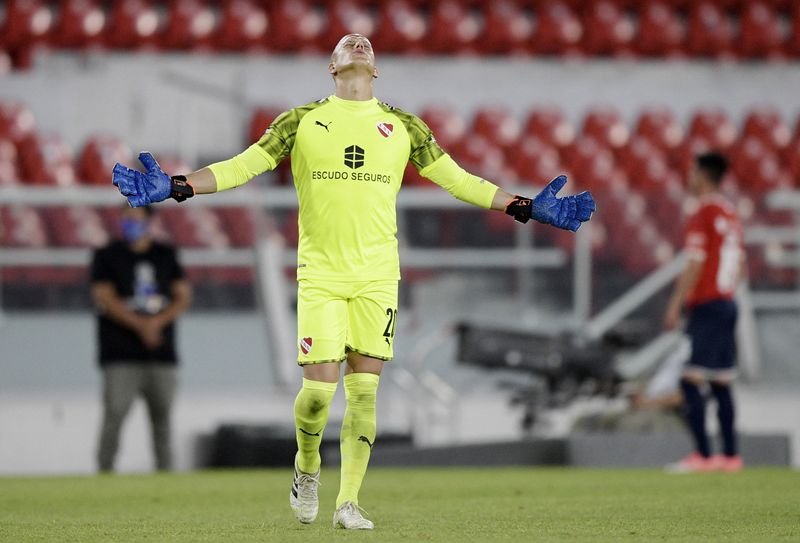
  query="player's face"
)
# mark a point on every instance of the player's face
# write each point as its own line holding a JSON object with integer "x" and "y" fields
{"x": 695, "y": 179}
{"x": 353, "y": 51}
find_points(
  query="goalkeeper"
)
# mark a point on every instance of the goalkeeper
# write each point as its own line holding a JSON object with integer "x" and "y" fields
{"x": 348, "y": 155}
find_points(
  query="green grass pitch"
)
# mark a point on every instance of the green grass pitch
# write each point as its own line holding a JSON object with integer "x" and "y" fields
{"x": 410, "y": 505}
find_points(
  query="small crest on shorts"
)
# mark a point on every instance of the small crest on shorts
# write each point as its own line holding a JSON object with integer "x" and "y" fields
{"x": 385, "y": 129}
{"x": 305, "y": 344}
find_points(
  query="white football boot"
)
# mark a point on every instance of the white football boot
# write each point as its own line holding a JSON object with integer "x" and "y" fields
{"x": 303, "y": 497}
{"x": 349, "y": 517}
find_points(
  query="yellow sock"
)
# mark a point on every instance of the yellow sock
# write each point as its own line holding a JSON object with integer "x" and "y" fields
{"x": 311, "y": 408}
{"x": 358, "y": 433}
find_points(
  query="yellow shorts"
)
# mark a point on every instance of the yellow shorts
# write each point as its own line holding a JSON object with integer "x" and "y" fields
{"x": 335, "y": 317}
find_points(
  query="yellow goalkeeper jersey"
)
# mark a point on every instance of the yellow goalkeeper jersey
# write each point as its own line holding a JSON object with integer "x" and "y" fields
{"x": 348, "y": 159}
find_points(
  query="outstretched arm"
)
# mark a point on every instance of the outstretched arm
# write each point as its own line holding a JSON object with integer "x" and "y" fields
{"x": 567, "y": 212}
{"x": 202, "y": 181}
{"x": 154, "y": 185}
{"x": 432, "y": 162}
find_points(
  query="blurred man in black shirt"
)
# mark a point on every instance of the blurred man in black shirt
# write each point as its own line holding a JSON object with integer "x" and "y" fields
{"x": 139, "y": 290}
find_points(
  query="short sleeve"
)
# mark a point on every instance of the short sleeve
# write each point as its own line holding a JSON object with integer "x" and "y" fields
{"x": 424, "y": 148}
{"x": 277, "y": 141}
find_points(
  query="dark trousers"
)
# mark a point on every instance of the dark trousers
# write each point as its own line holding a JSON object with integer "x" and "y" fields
{"x": 122, "y": 384}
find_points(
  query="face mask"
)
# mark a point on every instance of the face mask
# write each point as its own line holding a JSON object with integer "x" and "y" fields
{"x": 133, "y": 230}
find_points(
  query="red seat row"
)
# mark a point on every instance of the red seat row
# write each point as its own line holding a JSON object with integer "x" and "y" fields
{"x": 765, "y": 151}
{"x": 705, "y": 28}
{"x": 637, "y": 172}
{"x": 493, "y": 143}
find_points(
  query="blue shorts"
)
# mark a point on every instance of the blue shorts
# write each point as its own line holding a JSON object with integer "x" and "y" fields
{"x": 711, "y": 329}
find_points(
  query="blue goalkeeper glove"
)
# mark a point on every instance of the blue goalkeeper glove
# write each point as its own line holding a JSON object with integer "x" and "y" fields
{"x": 566, "y": 213}
{"x": 143, "y": 189}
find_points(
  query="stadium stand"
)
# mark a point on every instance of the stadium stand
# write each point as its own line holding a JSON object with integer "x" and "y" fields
{"x": 729, "y": 29}
{"x": 600, "y": 153}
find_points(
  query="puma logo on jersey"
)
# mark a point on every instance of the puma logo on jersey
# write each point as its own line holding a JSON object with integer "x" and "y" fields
{"x": 325, "y": 126}
{"x": 365, "y": 440}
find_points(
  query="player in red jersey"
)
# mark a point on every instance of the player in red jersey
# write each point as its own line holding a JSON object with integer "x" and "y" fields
{"x": 706, "y": 288}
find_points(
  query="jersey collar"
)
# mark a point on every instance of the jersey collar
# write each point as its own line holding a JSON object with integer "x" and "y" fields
{"x": 353, "y": 106}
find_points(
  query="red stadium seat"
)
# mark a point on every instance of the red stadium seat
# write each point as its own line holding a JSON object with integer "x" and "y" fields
{"x": 661, "y": 30}
{"x": 639, "y": 156}
{"x": 75, "y": 227}
{"x": 661, "y": 128}
{"x": 197, "y": 227}
{"x": 497, "y": 125}
{"x": 134, "y": 24}
{"x": 46, "y": 160}
{"x": 758, "y": 167}
{"x": 606, "y": 125}
{"x": 609, "y": 30}
{"x": 244, "y": 26}
{"x": 714, "y": 125}
{"x": 535, "y": 161}
{"x": 507, "y": 28}
{"x": 297, "y": 27}
{"x": 748, "y": 154}
{"x": 98, "y": 157}
{"x": 260, "y": 120}
{"x": 16, "y": 122}
{"x": 760, "y": 33}
{"x": 447, "y": 125}
{"x": 27, "y": 22}
{"x": 795, "y": 136}
{"x": 347, "y": 17}
{"x": 644, "y": 247}
{"x": 9, "y": 163}
{"x": 401, "y": 27}
{"x": 601, "y": 180}
{"x": 558, "y": 30}
{"x": 551, "y": 126}
{"x": 710, "y": 31}
{"x": 792, "y": 45}
{"x": 111, "y": 217}
{"x": 9, "y": 174}
{"x": 190, "y": 25}
{"x": 649, "y": 249}
{"x": 242, "y": 225}
{"x": 766, "y": 124}
{"x": 6, "y": 62}
{"x": 8, "y": 151}
{"x": 588, "y": 158}
{"x": 81, "y": 24}
{"x": 482, "y": 157}
{"x": 792, "y": 154}
{"x": 21, "y": 226}
{"x": 457, "y": 27}
{"x": 666, "y": 194}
